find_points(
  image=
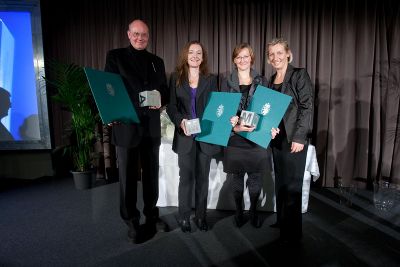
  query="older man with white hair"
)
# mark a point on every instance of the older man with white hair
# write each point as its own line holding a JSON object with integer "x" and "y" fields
{"x": 137, "y": 145}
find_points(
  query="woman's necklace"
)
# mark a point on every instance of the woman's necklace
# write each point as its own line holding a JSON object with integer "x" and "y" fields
{"x": 193, "y": 79}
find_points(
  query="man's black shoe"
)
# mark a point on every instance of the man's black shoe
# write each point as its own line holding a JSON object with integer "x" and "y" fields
{"x": 275, "y": 225}
{"x": 142, "y": 234}
{"x": 290, "y": 242}
{"x": 150, "y": 230}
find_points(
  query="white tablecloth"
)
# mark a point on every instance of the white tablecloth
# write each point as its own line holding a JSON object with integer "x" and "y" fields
{"x": 311, "y": 170}
{"x": 220, "y": 188}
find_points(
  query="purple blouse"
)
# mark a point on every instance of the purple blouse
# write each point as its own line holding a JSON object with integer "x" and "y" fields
{"x": 193, "y": 102}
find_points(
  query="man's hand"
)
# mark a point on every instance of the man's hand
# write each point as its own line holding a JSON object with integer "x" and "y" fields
{"x": 156, "y": 107}
{"x": 113, "y": 123}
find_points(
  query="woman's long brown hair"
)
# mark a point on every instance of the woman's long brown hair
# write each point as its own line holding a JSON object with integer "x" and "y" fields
{"x": 182, "y": 68}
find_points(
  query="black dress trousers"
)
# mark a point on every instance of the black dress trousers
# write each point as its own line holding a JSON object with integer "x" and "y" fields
{"x": 128, "y": 163}
{"x": 289, "y": 173}
{"x": 194, "y": 169}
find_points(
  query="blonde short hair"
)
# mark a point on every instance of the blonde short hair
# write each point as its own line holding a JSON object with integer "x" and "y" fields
{"x": 285, "y": 45}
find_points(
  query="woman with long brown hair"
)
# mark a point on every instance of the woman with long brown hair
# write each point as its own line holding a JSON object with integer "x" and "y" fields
{"x": 190, "y": 87}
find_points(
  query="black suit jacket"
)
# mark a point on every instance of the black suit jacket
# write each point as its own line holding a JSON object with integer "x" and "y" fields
{"x": 140, "y": 71}
{"x": 298, "y": 119}
{"x": 179, "y": 109}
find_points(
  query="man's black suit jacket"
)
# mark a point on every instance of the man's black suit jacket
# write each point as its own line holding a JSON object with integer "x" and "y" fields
{"x": 179, "y": 109}
{"x": 140, "y": 71}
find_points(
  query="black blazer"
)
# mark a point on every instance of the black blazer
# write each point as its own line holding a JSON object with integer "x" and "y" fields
{"x": 140, "y": 71}
{"x": 298, "y": 119}
{"x": 179, "y": 109}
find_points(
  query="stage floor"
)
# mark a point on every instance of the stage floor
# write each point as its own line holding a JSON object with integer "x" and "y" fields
{"x": 48, "y": 222}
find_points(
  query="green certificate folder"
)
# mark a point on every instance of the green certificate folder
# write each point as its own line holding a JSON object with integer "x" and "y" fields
{"x": 271, "y": 106}
{"x": 215, "y": 124}
{"x": 111, "y": 97}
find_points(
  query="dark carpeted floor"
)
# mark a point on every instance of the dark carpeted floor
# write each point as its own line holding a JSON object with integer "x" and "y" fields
{"x": 47, "y": 222}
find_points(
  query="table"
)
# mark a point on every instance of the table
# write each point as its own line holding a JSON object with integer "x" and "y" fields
{"x": 220, "y": 186}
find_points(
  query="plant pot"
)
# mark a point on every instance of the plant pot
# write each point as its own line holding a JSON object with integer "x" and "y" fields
{"x": 84, "y": 180}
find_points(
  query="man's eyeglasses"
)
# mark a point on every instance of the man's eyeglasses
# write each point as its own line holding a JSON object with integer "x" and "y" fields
{"x": 142, "y": 35}
{"x": 244, "y": 58}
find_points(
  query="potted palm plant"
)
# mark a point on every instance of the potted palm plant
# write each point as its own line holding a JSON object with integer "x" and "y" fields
{"x": 74, "y": 94}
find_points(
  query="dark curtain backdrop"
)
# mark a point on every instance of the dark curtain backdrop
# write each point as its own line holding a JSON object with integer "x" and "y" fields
{"x": 351, "y": 50}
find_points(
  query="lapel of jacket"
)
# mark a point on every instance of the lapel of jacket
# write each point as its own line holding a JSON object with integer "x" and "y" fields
{"x": 186, "y": 88}
{"x": 253, "y": 75}
{"x": 271, "y": 81}
{"x": 233, "y": 81}
{"x": 288, "y": 75}
{"x": 201, "y": 86}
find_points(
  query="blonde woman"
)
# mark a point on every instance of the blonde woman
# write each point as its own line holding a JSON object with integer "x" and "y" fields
{"x": 290, "y": 147}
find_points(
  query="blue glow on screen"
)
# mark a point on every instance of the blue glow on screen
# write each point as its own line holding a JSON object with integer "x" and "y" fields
{"x": 17, "y": 75}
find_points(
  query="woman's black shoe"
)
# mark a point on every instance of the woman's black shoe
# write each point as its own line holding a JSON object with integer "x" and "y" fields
{"x": 134, "y": 230}
{"x": 239, "y": 220}
{"x": 255, "y": 220}
{"x": 185, "y": 226}
{"x": 201, "y": 224}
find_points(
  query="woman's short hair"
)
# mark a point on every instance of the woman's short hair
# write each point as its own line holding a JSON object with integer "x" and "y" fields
{"x": 239, "y": 48}
{"x": 285, "y": 45}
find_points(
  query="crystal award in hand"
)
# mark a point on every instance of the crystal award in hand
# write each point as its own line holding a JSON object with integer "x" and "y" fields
{"x": 150, "y": 99}
{"x": 249, "y": 118}
{"x": 193, "y": 126}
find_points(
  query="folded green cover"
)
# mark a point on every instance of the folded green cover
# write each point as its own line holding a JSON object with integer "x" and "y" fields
{"x": 111, "y": 97}
{"x": 271, "y": 106}
{"x": 215, "y": 123}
